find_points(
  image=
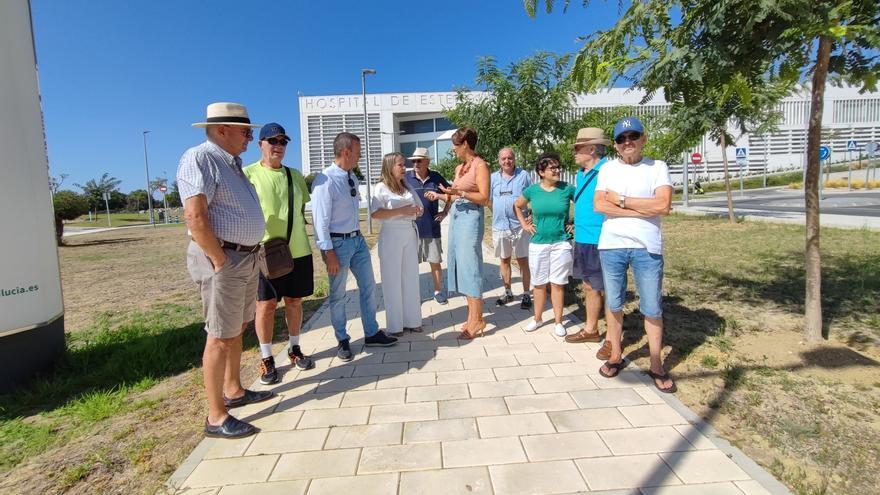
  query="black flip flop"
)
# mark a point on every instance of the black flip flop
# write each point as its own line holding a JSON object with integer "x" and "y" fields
{"x": 612, "y": 366}
{"x": 664, "y": 376}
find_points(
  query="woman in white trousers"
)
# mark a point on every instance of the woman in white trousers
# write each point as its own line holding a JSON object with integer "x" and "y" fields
{"x": 397, "y": 207}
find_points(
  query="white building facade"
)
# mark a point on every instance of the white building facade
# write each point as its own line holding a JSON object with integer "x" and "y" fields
{"x": 404, "y": 121}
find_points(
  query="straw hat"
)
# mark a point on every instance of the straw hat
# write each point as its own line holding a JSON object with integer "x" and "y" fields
{"x": 590, "y": 135}
{"x": 224, "y": 113}
{"x": 420, "y": 154}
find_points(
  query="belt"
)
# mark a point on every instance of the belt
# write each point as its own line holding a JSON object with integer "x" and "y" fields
{"x": 337, "y": 235}
{"x": 239, "y": 247}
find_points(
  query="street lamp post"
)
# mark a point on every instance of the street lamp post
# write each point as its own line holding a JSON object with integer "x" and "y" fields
{"x": 364, "y": 73}
{"x": 149, "y": 192}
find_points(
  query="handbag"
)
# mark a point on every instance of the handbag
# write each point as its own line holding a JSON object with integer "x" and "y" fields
{"x": 274, "y": 255}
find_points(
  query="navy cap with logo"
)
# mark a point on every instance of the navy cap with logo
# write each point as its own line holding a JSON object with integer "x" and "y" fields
{"x": 626, "y": 124}
{"x": 272, "y": 130}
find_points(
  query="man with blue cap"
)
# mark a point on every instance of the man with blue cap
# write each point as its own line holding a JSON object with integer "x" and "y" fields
{"x": 283, "y": 194}
{"x": 633, "y": 192}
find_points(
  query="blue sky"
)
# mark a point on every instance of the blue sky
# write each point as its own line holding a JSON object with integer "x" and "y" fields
{"x": 110, "y": 70}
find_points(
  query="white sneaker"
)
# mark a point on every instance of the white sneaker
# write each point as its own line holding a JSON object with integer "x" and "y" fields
{"x": 560, "y": 330}
{"x": 533, "y": 325}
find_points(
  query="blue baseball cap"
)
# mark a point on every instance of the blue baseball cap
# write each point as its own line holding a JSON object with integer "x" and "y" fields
{"x": 272, "y": 130}
{"x": 626, "y": 124}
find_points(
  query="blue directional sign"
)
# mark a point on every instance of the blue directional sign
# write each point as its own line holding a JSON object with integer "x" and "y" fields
{"x": 852, "y": 145}
{"x": 742, "y": 152}
{"x": 824, "y": 152}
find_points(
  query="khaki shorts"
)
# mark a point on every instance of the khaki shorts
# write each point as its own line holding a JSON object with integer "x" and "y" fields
{"x": 229, "y": 297}
{"x": 430, "y": 250}
{"x": 511, "y": 243}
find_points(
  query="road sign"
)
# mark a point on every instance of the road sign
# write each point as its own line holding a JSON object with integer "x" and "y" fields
{"x": 872, "y": 148}
{"x": 696, "y": 158}
{"x": 162, "y": 189}
{"x": 824, "y": 152}
{"x": 741, "y": 153}
{"x": 106, "y": 196}
{"x": 852, "y": 145}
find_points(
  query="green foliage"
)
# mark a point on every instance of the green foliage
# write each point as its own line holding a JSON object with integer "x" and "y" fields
{"x": 524, "y": 106}
{"x": 309, "y": 179}
{"x": 69, "y": 205}
{"x": 137, "y": 200}
{"x": 94, "y": 190}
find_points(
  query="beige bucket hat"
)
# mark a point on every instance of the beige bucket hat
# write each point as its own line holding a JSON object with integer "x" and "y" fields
{"x": 224, "y": 113}
{"x": 420, "y": 154}
{"x": 590, "y": 135}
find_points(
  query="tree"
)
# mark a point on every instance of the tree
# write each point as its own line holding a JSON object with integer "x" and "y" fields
{"x": 525, "y": 106}
{"x": 55, "y": 182}
{"x": 68, "y": 206}
{"x": 174, "y": 196}
{"x": 94, "y": 190}
{"x": 137, "y": 200}
{"x": 777, "y": 41}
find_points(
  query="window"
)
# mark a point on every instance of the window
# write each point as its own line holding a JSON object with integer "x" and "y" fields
{"x": 444, "y": 148}
{"x": 443, "y": 124}
{"x": 417, "y": 126}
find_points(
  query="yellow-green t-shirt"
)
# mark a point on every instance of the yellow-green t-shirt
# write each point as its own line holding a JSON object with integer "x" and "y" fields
{"x": 271, "y": 186}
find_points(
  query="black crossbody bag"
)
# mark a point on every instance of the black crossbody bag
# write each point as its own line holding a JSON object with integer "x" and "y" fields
{"x": 275, "y": 258}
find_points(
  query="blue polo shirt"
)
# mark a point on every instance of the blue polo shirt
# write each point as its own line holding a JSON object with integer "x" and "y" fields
{"x": 587, "y": 223}
{"x": 428, "y": 228}
{"x": 504, "y": 192}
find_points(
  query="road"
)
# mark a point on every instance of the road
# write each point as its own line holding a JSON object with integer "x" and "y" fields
{"x": 855, "y": 203}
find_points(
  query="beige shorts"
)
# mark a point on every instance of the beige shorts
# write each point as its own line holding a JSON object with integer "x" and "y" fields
{"x": 229, "y": 297}
{"x": 430, "y": 250}
{"x": 511, "y": 243}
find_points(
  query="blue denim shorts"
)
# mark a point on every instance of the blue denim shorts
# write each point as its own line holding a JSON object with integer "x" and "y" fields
{"x": 648, "y": 274}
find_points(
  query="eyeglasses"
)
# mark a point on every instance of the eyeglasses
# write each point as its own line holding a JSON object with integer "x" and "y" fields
{"x": 246, "y": 132}
{"x": 353, "y": 190}
{"x": 416, "y": 162}
{"x": 628, "y": 136}
{"x": 555, "y": 168}
{"x": 277, "y": 141}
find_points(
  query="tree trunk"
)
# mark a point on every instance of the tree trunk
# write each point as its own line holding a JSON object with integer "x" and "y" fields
{"x": 727, "y": 176}
{"x": 59, "y": 230}
{"x": 813, "y": 297}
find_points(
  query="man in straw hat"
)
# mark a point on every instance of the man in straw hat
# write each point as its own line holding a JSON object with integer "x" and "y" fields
{"x": 226, "y": 224}
{"x": 508, "y": 236}
{"x": 633, "y": 192}
{"x": 422, "y": 180}
{"x": 589, "y": 148}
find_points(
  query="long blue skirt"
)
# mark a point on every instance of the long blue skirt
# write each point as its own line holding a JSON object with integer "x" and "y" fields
{"x": 465, "y": 244}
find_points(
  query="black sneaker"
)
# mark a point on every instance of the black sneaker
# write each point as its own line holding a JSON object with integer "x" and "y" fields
{"x": 380, "y": 340}
{"x": 343, "y": 352}
{"x": 299, "y": 360}
{"x": 526, "y": 302}
{"x": 506, "y": 298}
{"x": 268, "y": 373}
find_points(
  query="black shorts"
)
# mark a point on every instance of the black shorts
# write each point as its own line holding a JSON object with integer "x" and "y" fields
{"x": 587, "y": 266}
{"x": 298, "y": 283}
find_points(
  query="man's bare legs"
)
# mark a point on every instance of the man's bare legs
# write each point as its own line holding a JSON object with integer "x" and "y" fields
{"x": 593, "y": 303}
{"x": 436, "y": 272}
{"x": 221, "y": 369}
{"x": 654, "y": 329}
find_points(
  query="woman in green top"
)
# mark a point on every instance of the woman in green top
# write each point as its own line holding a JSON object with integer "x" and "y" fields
{"x": 549, "y": 249}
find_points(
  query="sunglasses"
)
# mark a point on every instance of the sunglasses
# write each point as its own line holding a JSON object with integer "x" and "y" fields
{"x": 627, "y": 136}
{"x": 277, "y": 141}
{"x": 353, "y": 190}
{"x": 415, "y": 162}
{"x": 248, "y": 133}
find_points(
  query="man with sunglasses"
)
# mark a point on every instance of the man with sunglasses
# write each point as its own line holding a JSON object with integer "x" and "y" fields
{"x": 225, "y": 221}
{"x": 633, "y": 192}
{"x": 508, "y": 236}
{"x": 276, "y": 186}
{"x": 336, "y": 217}
{"x": 423, "y": 180}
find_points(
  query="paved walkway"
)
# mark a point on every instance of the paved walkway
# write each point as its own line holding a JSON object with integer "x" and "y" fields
{"x": 509, "y": 413}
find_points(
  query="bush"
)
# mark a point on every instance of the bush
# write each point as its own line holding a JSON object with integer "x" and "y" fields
{"x": 68, "y": 206}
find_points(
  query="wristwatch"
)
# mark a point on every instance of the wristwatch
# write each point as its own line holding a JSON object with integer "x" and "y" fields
{"x": 622, "y": 202}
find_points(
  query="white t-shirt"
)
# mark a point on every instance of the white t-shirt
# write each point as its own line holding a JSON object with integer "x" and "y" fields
{"x": 633, "y": 181}
{"x": 386, "y": 199}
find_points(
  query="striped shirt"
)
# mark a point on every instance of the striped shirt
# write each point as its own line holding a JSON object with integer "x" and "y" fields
{"x": 233, "y": 208}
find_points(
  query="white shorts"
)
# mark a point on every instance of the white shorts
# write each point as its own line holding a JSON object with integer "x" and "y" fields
{"x": 511, "y": 243}
{"x": 550, "y": 263}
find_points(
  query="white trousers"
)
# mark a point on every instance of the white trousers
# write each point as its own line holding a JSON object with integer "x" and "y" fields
{"x": 399, "y": 269}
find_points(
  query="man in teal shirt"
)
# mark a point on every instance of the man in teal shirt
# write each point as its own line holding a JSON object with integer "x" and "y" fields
{"x": 589, "y": 154}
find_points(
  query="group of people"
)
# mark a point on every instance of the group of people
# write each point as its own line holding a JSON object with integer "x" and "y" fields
{"x": 231, "y": 211}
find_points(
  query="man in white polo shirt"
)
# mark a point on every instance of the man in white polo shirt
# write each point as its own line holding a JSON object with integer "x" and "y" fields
{"x": 633, "y": 192}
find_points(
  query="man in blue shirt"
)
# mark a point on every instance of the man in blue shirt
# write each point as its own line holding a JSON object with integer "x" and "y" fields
{"x": 508, "y": 236}
{"x": 589, "y": 150}
{"x": 422, "y": 180}
{"x": 335, "y": 212}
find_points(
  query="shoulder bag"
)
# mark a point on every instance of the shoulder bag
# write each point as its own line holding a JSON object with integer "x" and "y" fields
{"x": 274, "y": 256}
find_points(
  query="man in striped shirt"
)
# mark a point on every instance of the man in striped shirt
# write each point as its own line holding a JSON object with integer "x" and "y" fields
{"x": 226, "y": 224}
